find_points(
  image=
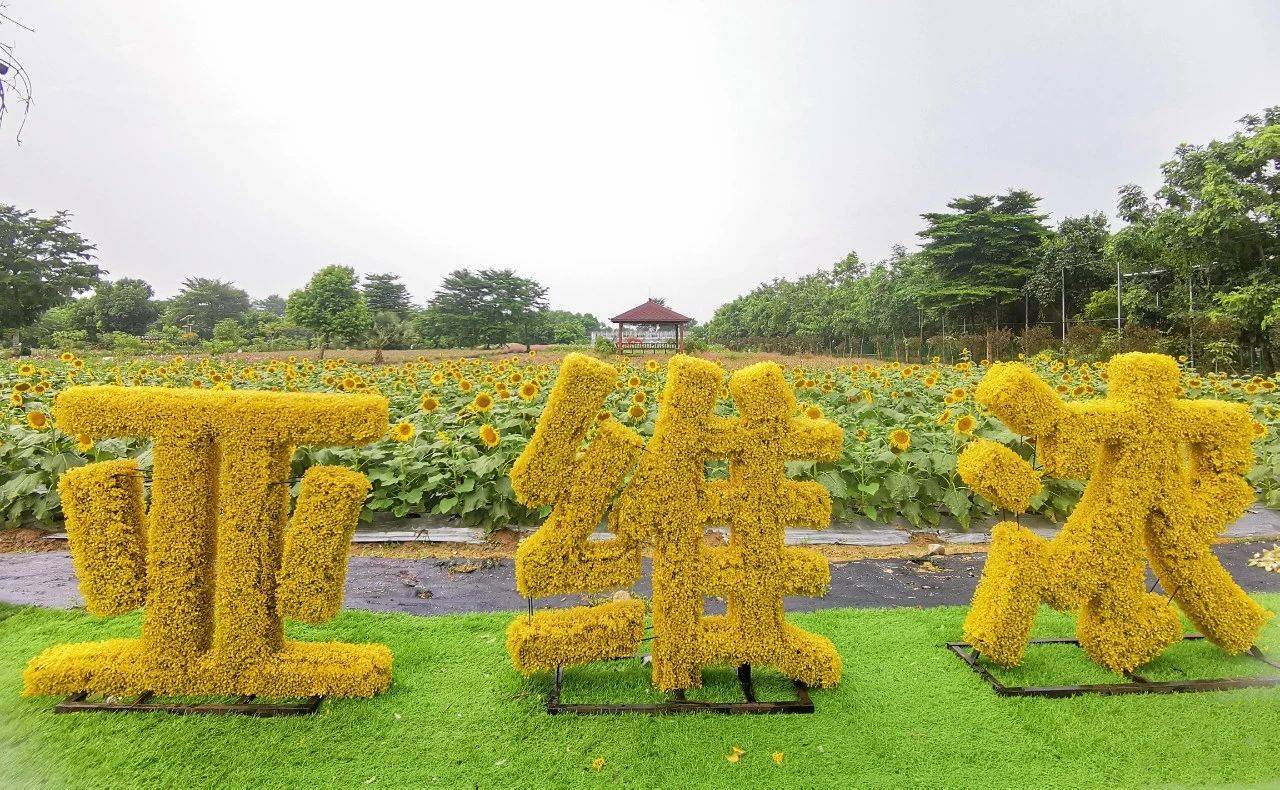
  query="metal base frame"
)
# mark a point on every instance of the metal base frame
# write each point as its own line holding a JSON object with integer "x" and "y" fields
{"x": 680, "y": 704}
{"x": 144, "y": 703}
{"x": 1140, "y": 685}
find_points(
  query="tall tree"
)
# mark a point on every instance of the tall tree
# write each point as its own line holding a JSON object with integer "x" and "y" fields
{"x": 487, "y": 307}
{"x": 123, "y": 306}
{"x": 984, "y": 250}
{"x": 386, "y": 294}
{"x": 203, "y": 302}
{"x": 42, "y": 264}
{"x": 331, "y": 306}
{"x": 272, "y": 304}
{"x": 1077, "y": 256}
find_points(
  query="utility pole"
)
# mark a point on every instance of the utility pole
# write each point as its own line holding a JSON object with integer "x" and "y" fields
{"x": 1118, "y": 296}
{"x": 1064, "y": 308}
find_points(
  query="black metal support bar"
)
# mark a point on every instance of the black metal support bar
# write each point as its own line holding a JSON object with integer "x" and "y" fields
{"x": 243, "y": 706}
{"x": 680, "y": 703}
{"x": 1140, "y": 684}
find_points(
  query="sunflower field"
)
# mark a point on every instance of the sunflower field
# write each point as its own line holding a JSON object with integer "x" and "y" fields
{"x": 458, "y": 423}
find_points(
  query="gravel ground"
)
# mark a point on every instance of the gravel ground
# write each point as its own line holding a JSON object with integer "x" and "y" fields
{"x": 433, "y": 586}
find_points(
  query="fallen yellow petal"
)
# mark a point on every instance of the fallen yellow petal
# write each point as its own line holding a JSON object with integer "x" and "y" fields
{"x": 597, "y": 764}
{"x": 777, "y": 757}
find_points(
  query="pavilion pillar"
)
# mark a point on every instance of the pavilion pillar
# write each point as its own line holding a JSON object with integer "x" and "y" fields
{"x": 680, "y": 338}
{"x": 619, "y": 344}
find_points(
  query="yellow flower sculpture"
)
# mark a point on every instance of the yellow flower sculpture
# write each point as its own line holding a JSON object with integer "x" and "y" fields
{"x": 999, "y": 474}
{"x": 668, "y": 504}
{"x": 1165, "y": 475}
{"x": 216, "y": 562}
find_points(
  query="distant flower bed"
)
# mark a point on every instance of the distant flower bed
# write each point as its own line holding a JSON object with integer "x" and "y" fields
{"x": 458, "y": 424}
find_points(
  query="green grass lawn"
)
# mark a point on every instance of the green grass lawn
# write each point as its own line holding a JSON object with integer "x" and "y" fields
{"x": 908, "y": 713}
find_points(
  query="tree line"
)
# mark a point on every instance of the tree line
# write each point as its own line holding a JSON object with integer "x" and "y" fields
{"x": 1192, "y": 269}
{"x": 53, "y": 294}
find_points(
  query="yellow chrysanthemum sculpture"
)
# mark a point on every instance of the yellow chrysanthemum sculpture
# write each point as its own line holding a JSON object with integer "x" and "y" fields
{"x": 1165, "y": 475}
{"x": 668, "y": 504}
{"x": 216, "y": 561}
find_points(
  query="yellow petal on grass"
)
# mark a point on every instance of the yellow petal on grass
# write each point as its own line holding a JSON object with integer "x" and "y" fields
{"x": 597, "y": 764}
{"x": 777, "y": 757}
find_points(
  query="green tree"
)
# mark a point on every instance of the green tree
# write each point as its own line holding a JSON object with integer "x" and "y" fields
{"x": 273, "y": 305}
{"x": 386, "y": 331}
{"x": 331, "y": 306}
{"x": 203, "y": 302}
{"x": 1077, "y": 256}
{"x": 486, "y": 307}
{"x": 123, "y": 306}
{"x": 42, "y": 264}
{"x": 983, "y": 251}
{"x": 385, "y": 293}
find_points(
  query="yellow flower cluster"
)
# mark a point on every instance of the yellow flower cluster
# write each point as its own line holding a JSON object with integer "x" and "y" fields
{"x": 999, "y": 474}
{"x": 668, "y": 504}
{"x": 313, "y": 571}
{"x": 106, "y": 528}
{"x": 559, "y": 558}
{"x": 1164, "y": 474}
{"x": 580, "y": 635}
{"x": 214, "y": 544}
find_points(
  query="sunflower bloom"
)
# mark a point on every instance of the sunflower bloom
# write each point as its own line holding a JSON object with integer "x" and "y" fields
{"x": 429, "y": 403}
{"x": 38, "y": 420}
{"x": 403, "y": 431}
{"x": 489, "y": 435}
{"x": 813, "y": 411}
{"x": 636, "y": 411}
{"x": 84, "y": 442}
{"x": 528, "y": 391}
{"x": 966, "y": 424}
{"x": 482, "y": 403}
{"x": 899, "y": 440}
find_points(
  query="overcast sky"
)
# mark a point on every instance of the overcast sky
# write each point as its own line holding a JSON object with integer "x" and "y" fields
{"x": 611, "y": 151}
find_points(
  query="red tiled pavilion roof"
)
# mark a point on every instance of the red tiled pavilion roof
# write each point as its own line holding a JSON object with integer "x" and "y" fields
{"x": 650, "y": 312}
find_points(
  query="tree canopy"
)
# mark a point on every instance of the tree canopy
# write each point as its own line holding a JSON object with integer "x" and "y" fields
{"x": 43, "y": 263}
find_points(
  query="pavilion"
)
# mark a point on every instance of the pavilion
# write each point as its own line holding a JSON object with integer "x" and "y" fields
{"x": 651, "y": 326}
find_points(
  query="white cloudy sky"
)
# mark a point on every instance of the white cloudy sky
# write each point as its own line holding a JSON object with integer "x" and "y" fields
{"x": 612, "y": 151}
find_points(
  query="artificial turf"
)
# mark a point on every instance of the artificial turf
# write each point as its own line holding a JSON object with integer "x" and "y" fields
{"x": 908, "y": 713}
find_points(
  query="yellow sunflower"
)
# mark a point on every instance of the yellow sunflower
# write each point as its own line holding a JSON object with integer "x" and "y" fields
{"x": 652, "y": 366}
{"x": 66, "y": 356}
{"x": 945, "y": 417}
{"x": 84, "y": 442}
{"x": 1259, "y": 430}
{"x": 429, "y": 403}
{"x": 813, "y": 411}
{"x": 489, "y": 435}
{"x": 38, "y": 420}
{"x": 464, "y": 385}
{"x": 603, "y": 415}
{"x": 482, "y": 403}
{"x": 636, "y": 411}
{"x": 15, "y": 398}
{"x": 26, "y": 369}
{"x": 862, "y": 434}
{"x": 966, "y": 424}
{"x": 528, "y": 391}
{"x": 899, "y": 440}
{"x": 638, "y": 396}
{"x": 402, "y": 432}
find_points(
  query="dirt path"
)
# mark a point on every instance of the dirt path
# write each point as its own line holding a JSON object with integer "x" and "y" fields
{"x": 487, "y": 584}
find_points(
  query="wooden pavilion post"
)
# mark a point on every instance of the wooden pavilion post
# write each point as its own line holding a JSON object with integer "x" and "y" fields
{"x": 619, "y": 344}
{"x": 680, "y": 338}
